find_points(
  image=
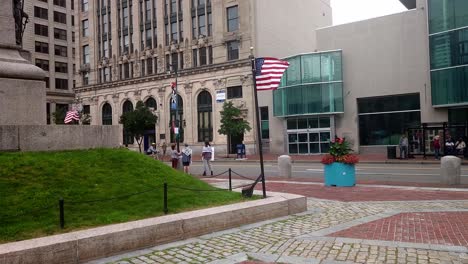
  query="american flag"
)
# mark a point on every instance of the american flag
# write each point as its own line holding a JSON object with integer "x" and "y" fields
{"x": 268, "y": 73}
{"x": 71, "y": 115}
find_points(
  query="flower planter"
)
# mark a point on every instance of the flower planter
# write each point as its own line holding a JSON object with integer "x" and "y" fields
{"x": 340, "y": 174}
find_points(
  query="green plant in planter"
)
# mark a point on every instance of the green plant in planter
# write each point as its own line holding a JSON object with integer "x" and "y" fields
{"x": 340, "y": 152}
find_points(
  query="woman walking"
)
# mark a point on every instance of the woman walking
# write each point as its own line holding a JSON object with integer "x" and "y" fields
{"x": 174, "y": 156}
{"x": 207, "y": 152}
{"x": 186, "y": 157}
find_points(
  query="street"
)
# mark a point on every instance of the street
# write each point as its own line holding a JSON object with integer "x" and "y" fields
{"x": 416, "y": 173}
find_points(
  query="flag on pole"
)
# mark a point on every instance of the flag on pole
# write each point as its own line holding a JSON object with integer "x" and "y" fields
{"x": 71, "y": 115}
{"x": 268, "y": 73}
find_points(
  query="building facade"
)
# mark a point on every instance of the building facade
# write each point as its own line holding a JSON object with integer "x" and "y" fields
{"x": 50, "y": 38}
{"x": 131, "y": 50}
{"x": 404, "y": 73}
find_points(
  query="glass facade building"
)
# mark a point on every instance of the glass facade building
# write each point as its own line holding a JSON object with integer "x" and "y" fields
{"x": 448, "y": 45}
{"x": 313, "y": 84}
{"x": 311, "y": 91}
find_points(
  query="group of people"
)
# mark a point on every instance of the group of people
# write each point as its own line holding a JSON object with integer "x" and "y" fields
{"x": 451, "y": 147}
{"x": 185, "y": 156}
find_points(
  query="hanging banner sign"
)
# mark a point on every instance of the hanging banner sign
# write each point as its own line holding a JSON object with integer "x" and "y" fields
{"x": 220, "y": 96}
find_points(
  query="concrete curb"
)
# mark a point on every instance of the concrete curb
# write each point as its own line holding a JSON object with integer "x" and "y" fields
{"x": 100, "y": 242}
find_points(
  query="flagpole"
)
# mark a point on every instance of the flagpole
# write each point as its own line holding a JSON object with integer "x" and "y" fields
{"x": 257, "y": 114}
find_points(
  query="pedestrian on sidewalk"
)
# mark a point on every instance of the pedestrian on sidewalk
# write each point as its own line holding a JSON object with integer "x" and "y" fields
{"x": 436, "y": 144}
{"x": 460, "y": 147}
{"x": 207, "y": 153}
{"x": 449, "y": 146}
{"x": 153, "y": 151}
{"x": 163, "y": 148}
{"x": 186, "y": 158}
{"x": 174, "y": 156}
{"x": 403, "y": 147}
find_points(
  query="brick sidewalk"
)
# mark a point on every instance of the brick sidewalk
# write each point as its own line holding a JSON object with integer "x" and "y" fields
{"x": 443, "y": 228}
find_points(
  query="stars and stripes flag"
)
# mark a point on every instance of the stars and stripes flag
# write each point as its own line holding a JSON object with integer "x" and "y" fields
{"x": 268, "y": 73}
{"x": 71, "y": 115}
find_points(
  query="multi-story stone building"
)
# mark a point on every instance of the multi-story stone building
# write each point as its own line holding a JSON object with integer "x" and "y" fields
{"x": 49, "y": 37}
{"x": 131, "y": 50}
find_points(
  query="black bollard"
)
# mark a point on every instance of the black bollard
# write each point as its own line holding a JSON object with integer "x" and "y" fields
{"x": 230, "y": 182}
{"x": 62, "y": 214}
{"x": 165, "y": 199}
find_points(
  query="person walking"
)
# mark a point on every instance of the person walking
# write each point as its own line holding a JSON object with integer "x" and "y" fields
{"x": 449, "y": 146}
{"x": 436, "y": 143}
{"x": 403, "y": 147}
{"x": 163, "y": 148}
{"x": 186, "y": 158}
{"x": 460, "y": 147}
{"x": 207, "y": 153}
{"x": 174, "y": 156}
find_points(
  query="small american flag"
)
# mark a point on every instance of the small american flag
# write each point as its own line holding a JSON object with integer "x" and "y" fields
{"x": 268, "y": 73}
{"x": 71, "y": 115}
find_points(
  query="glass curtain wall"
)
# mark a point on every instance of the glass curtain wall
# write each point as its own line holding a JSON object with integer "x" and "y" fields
{"x": 448, "y": 43}
{"x": 382, "y": 120}
{"x": 313, "y": 84}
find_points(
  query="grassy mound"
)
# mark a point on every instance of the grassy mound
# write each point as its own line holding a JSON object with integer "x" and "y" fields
{"x": 99, "y": 187}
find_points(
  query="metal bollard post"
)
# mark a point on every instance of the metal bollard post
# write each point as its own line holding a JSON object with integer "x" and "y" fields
{"x": 230, "y": 183}
{"x": 165, "y": 198}
{"x": 62, "y": 216}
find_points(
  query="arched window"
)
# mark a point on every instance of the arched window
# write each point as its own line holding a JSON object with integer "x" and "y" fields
{"x": 107, "y": 114}
{"x": 205, "y": 123}
{"x": 180, "y": 124}
{"x": 127, "y": 137}
{"x": 151, "y": 103}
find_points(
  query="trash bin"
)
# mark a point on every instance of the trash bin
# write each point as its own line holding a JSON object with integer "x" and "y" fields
{"x": 391, "y": 152}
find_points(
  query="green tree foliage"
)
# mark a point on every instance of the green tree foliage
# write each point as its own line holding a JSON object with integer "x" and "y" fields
{"x": 137, "y": 121}
{"x": 232, "y": 123}
{"x": 59, "y": 116}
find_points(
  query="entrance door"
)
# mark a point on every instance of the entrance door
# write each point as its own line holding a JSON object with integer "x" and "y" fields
{"x": 234, "y": 141}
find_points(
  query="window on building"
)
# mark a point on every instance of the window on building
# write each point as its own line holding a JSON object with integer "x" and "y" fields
{"x": 85, "y": 27}
{"x": 72, "y": 4}
{"x": 40, "y": 12}
{"x": 127, "y": 136}
{"x": 234, "y": 92}
{"x": 45, "y": 1}
{"x": 232, "y": 18}
{"x": 61, "y": 84}
{"x": 205, "y": 119}
{"x": 195, "y": 58}
{"x": 60, "y": 34}
{"x": 203, "y": 56}
{"x": 60, "y": 17}
{"x": 202, "y": 25}
{"x": 87, "y": 112}
{"x": 194, "y": 28}
{"x": 107, "y": 114}
{"x": 382, "y": 120}
{"x": 61, "y": 67}
{"x": 86, "y": 78}
{"x": 73, "y": 20}
{"x": 47, "y": 82}
{"x": 210, "y": 55}
{"x": 48, "y": 113}
{"x": 85, "y": 54}
{"x": 233, "y": 50}
{"x": 73, "y": 36}
{"x": 84, "y": 5}
{"x": 105, "y": 29}
{"x": 265, "y": 125}
{"x": 42, "y": 47}
{"x": 61, "y": 3}
{"x": 60, "y": 50}
{"x": 210, "y": 24}
{"x": 151, "y": 104}
{"x": 149, "y": 38}
{"x": 126, "y": 70}
{"x": 43, "y": 64}
{"x": 149, "y": 66}
{"x": 41, "y": 30}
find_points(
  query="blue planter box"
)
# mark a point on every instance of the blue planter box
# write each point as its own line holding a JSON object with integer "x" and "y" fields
{"x": 340, "y": 175}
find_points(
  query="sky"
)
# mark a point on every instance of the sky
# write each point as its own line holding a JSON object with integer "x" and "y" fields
{"x": 345, "y": 11}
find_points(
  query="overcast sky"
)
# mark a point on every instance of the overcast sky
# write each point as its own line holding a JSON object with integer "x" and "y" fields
{"x": 345, "y": 11}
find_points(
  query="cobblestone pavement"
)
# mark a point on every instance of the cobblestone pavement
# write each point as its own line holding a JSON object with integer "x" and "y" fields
{"x": 305, "y": 238}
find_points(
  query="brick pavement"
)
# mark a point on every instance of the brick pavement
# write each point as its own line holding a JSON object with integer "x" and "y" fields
{"x": 305, "y": 238}
{"x": 445, "y": 228}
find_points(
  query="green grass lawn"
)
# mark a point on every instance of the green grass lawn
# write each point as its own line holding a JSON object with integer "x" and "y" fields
{"x": 32, "y": 181}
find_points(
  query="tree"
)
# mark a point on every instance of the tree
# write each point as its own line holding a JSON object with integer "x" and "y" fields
{"x": 59, "y": 116}
{"x": 137, "y": 121}
{"x": 232, "y": 123}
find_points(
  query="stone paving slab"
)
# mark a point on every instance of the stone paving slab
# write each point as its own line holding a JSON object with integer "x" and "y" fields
{"x": 281, "y": 241}
{"x": 445, "y": 228}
